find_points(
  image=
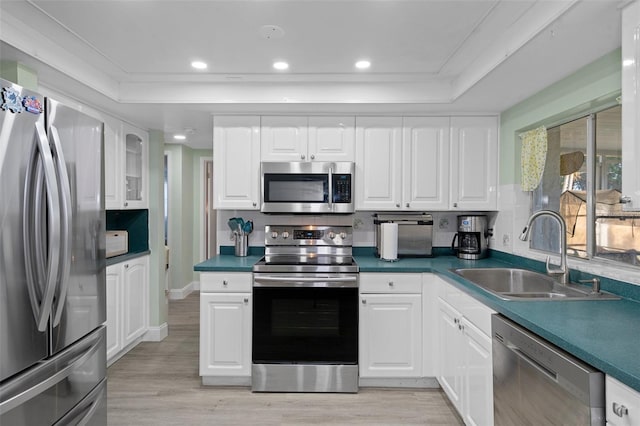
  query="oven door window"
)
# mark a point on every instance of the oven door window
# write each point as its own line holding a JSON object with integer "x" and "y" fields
{"x": 305, "y": 325}
{"x": 296, "y": 188}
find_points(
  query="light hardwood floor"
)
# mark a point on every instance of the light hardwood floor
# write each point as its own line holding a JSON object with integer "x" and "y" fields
{"x": 158, "y": 384}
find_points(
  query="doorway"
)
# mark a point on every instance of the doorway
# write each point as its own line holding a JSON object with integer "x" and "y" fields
{"x": 209, "y": 223}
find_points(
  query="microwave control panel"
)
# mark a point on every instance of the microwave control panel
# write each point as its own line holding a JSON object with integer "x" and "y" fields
{"x": 341, "y": 188}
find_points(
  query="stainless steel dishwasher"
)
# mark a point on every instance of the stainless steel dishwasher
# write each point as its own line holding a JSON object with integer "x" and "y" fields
{"x": 536, "y": 383}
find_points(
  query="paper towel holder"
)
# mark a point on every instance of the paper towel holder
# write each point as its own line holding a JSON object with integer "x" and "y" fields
{"x": 389, "y": 242}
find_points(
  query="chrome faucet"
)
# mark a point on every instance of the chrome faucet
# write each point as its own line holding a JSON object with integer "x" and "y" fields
{"x": 563, "y": 271}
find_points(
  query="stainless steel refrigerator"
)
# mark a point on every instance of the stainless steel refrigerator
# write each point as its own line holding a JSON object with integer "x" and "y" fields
{"x": 52, "y": 263}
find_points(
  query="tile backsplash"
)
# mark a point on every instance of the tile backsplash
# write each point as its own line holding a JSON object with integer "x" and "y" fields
{"x": 444, "y": 225}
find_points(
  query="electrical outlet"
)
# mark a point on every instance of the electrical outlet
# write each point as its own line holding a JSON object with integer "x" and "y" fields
{"x": 443, "y": 223}
{"x": 506, "y": 239}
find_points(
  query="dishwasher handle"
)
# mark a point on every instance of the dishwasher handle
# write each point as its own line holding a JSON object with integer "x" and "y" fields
{"x": 532, "y": 362}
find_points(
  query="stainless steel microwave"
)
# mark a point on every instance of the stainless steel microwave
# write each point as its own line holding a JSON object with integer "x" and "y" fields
{"x": 307, "y": 187}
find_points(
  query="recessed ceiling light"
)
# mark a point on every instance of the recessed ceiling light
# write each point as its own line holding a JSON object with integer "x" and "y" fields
{"x": 363, "y": 65}
{"x": 179, "y": 137}
{"x": 199, "y": 65}
{"x": 280, "y": 65}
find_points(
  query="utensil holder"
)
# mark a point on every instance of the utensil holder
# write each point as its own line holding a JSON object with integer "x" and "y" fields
{"x": 242, "y": 245}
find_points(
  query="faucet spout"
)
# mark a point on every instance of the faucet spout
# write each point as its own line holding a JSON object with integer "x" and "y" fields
{"x": 563, "y": 271}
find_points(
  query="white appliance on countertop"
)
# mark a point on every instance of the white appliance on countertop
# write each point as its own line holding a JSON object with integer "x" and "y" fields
{"x": 117, "y": 243}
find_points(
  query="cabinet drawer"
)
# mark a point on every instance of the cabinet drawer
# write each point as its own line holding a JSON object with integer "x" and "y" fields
{"x": 225, "y": 281}
{"x": 390, "y": 283}
{"x": 623, "y": 404}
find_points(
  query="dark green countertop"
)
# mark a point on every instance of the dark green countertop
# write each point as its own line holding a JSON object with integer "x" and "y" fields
{"x": 601, "y": 333}
{"x": 128, "y": 256}
{"x": 229, "y": 263}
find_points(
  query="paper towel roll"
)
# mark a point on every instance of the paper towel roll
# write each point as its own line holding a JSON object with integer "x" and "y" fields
{"x": 389, "y": 241}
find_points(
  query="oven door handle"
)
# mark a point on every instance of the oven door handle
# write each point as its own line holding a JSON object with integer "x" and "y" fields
{"x": 283, "y": 281}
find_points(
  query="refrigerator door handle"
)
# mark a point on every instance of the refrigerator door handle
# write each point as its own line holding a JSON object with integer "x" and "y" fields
{"x": 65, "y": 224}
{"x": 41, "y": 304}
{"x": 17, "y": 391}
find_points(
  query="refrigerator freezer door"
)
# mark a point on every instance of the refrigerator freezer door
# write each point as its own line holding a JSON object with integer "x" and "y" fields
{"x": 77, "y": 145}
{"x": 21, "y": 344}
{"x": 55, "y": 387}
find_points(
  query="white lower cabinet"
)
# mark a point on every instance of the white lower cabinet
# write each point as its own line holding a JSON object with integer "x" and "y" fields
{"x": 390, "y": 328}
{"x": 622, "y": 404}
{"x": 464, "y": 352}
{"x": 225, "y": 328}
{"x": 127, "y": 305}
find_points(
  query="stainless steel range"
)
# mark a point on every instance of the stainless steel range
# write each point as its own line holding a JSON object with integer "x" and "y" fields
{"x": 305, "y": 311}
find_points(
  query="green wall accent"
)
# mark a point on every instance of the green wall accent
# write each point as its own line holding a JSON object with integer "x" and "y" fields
{"x": 181, "y": 206}
{"x": 158, "y": 306}
{"x": 19, "y": 74}
{"x": 135, "y": 222}
{"x": 596, "y": 84}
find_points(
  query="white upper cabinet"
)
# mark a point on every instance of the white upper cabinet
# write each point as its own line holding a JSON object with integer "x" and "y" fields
{"x": 402, "y": 163}
{"x": 631, "y": 104}
{"x": 284, "y": 138}
{"x": 113, "y": 153}
{"x": 425, "y": 152}
{"x": 236, "y": 158}
{"x": 474, "y": 163}
{"x": 136, "y": 147}
{"x": 296, "y": 138}
{"x": 378, "y": 163}
{"x": 126, "y": 166}
{"x": 332, "y": 138}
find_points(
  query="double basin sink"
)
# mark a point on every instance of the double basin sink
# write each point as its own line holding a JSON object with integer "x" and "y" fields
{"x": 522, "y": 284}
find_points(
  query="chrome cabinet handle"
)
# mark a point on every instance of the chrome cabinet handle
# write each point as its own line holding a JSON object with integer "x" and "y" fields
{"x": 456, "y": 320}
{"x": 126, "y": 266}
{"x": 255, "y": 204}
{"x": 398, "y": 205}
{"x": 313, "y": 157}
{"x": 225, "y": 283}
{"x": 246, "y": 300}
{"x": 390, "y": 283}
{"x": 455, "y": 204}
{"x": 407, "y": 204}
{"x": 302, "y": 157}
{"x": 620, "y": 410}
{"x": 364, "y": 301}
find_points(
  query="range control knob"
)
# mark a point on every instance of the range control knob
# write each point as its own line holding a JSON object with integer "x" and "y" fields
{"x": 274, "y": 234}
{"x": 332, "y": 235}
{"x": 285, "y": 235}
{"x": 343, "y": 235}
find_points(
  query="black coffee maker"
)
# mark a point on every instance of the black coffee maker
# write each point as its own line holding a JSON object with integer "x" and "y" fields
{"x": 473, "y": 237}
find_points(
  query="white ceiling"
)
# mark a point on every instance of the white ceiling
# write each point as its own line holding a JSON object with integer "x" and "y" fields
{"x": 132, "y": 58}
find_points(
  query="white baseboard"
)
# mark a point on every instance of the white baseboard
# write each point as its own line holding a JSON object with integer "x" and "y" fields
{"x": 156, "y": 334}
{"x": 391, "y": 382}
{"x": 226, "y": 381}
{"x": 181, "y": 293}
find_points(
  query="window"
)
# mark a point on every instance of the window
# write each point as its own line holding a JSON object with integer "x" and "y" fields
{"x": 582, "y": 181}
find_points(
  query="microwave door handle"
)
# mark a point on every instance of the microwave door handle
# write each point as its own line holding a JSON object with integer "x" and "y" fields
{"x": 330, "y": 188}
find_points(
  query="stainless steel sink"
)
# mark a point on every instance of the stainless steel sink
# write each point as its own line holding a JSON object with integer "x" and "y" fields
{"x": 522, "y": 284}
